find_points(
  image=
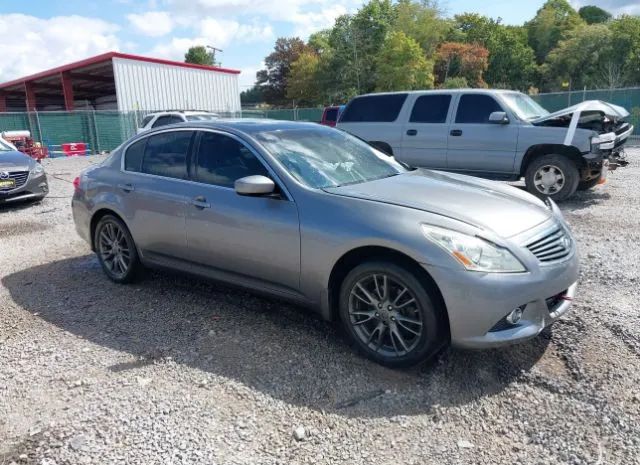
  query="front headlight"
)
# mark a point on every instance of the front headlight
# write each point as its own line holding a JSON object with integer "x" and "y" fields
{"x": 37, "y": 170}
{"x": 473, "y": 253}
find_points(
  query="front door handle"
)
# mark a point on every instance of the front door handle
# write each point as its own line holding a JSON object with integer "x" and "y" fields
{"x": 126, "y": 187}
{"x": 456, "y": 132}
{"x": 412, "y": 132}
{"x": 200, "y": 202}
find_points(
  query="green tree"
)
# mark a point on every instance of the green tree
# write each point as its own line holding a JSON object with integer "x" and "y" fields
{"x": 303, "y": 85}
{"x": 199, "y": 56}
{"x": 592, "y": 14}
{"x": 626, "y": 47}
{"x": 273, "y": 79}
{"x": 582, "y": 59}
{"x": 552, "y": 23}
{"x": 511, "y": 60}
{"x": 422, "y": 21}
{"x": 401, "y": 65}
{"x": 251, "y": 96}
{"x": 455, "y": 83}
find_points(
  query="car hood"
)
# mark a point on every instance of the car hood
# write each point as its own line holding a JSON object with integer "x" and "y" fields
{"x": 504, "y": 209}
{"x": 14, "y": 161}
{"x": 610, "y": 110}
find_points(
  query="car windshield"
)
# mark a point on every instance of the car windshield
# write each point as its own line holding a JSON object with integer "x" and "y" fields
{"x": 524, "y": 106}
{"x": 4, "y": 147}
{"x": 328, "y": 158}
{"x": 201, "y": 117}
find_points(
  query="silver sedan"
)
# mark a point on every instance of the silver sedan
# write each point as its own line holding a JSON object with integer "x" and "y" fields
{"x": 408, "y": 260}
{"x": 21, "y": 177}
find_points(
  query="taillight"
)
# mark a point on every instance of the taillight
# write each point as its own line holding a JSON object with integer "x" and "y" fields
{"x": 76, "y": 183}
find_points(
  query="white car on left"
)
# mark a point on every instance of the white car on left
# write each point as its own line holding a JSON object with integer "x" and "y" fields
{"x": 163, "y": 118}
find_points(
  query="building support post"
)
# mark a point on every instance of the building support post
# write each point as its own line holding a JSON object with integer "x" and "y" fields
{"x": 30, "y": 92}
{"x": 3, "y": 102}
{"x": 67, "y": 89}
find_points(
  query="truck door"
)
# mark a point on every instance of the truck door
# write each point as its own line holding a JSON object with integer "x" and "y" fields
{"x": 425, "y": 135}
{"x": 475, "y": 144}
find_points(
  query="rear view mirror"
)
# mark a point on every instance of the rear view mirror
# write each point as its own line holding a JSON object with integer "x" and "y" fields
{"x": 498, "y": 117}
{"x": 254, "y": 185}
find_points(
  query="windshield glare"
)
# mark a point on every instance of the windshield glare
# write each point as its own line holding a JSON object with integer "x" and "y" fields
{"x": 328, "y": 158}
{"x": 524, "y": 106}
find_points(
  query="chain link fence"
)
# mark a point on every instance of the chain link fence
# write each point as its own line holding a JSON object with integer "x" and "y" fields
{"x": 102, "y": 131}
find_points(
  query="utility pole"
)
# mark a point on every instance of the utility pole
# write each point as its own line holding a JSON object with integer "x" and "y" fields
{"x": 213, "y": 53}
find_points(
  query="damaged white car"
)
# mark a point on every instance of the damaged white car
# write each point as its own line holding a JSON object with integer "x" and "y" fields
{"x": 495, "y": 134}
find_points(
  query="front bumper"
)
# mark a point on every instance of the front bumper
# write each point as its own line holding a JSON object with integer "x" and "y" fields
{"x": 36, "y": 187}
{"x": 477, "y": 302}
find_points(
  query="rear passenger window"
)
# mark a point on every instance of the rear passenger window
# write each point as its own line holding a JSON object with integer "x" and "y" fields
{"x": 133, "y": 156}
{"x": 167, "y": 119}
{"x": 146, "y": 120}
{"x": 166, "y": 154}
{"x": 374, "y": 109}
{"x": 430, "y": 109}
{"x": 331, "y": 114}
{"x": 476, "y": 108}
{"x": 222, "y": 160}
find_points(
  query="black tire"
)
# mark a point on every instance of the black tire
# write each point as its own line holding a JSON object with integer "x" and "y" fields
{"x": 590, "y": 184}
{"x": 104, "y": 230}
{"x": 559, "y": 163}
{"x": 422, "y": 347}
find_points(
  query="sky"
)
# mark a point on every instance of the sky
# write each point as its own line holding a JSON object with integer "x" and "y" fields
{"x": 39, "y": 34}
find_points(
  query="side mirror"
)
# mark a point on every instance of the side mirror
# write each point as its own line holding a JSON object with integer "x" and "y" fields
{"x": 498, "y": 117}
{"x": 254, "y": 185}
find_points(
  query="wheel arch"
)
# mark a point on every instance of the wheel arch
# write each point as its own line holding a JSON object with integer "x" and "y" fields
{"x": 355, "y": 257}
{"x": 539, "y": 150}
{"x": 96, "y": 217}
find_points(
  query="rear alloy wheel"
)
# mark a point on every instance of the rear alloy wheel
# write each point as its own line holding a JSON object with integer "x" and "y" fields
{"x": 553, "y": 176}
{"x": 116, "y": 250}
{"x": 388, "y": 314}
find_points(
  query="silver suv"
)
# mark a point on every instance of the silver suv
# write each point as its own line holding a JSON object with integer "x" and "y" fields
{"x": 495, "y": 134}
{"x": 165, "y": 118}
{"x": 407, "y": 259}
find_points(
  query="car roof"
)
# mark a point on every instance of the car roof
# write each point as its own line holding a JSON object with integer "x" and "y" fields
{"x": 244, "y": 125}
{"x": 183, "y": 112}
{"x": 446, "y": 91}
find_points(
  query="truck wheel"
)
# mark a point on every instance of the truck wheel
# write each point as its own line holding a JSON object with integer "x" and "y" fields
{"x": 553, "y": 176}
{"x": 591, "y": 183}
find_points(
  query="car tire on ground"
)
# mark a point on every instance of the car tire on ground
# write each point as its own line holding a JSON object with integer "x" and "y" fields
{"x": 590, "y": 184}
{"x": 554, "y": 176}
{"x": 389, "y": 315}
{"x": 116, "y": 250}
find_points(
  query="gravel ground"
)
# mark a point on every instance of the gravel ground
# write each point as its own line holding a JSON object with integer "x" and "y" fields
{"x": 177, "y": 370}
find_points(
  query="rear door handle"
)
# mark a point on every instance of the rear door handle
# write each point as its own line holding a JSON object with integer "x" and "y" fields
{"x": 200, "y": 202}
{"x": 456, "y": 132}
{"x": 412, "y": 132}
{"x": 126, "y": 187}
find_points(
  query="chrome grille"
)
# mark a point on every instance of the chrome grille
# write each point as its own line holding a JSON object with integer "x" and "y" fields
{"x": 553, "y": 246}
{"x": 20, "y": 177}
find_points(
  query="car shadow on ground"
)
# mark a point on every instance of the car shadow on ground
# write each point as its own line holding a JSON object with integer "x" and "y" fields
{"x": 273, "y": 347}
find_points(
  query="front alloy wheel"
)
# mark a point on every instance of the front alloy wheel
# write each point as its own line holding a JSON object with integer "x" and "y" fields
{"x": 549, "y": 179}
{"x": 385, "y": 315}
{"x": 389, "y": 314}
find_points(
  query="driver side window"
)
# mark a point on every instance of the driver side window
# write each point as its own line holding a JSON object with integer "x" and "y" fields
{"x": 221, "y": 160}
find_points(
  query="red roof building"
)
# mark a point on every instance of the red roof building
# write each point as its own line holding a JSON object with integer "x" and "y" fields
{"x": 124, "y": 82}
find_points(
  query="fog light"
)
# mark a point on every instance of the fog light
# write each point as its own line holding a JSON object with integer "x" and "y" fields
{"x": 515, "y": 316}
